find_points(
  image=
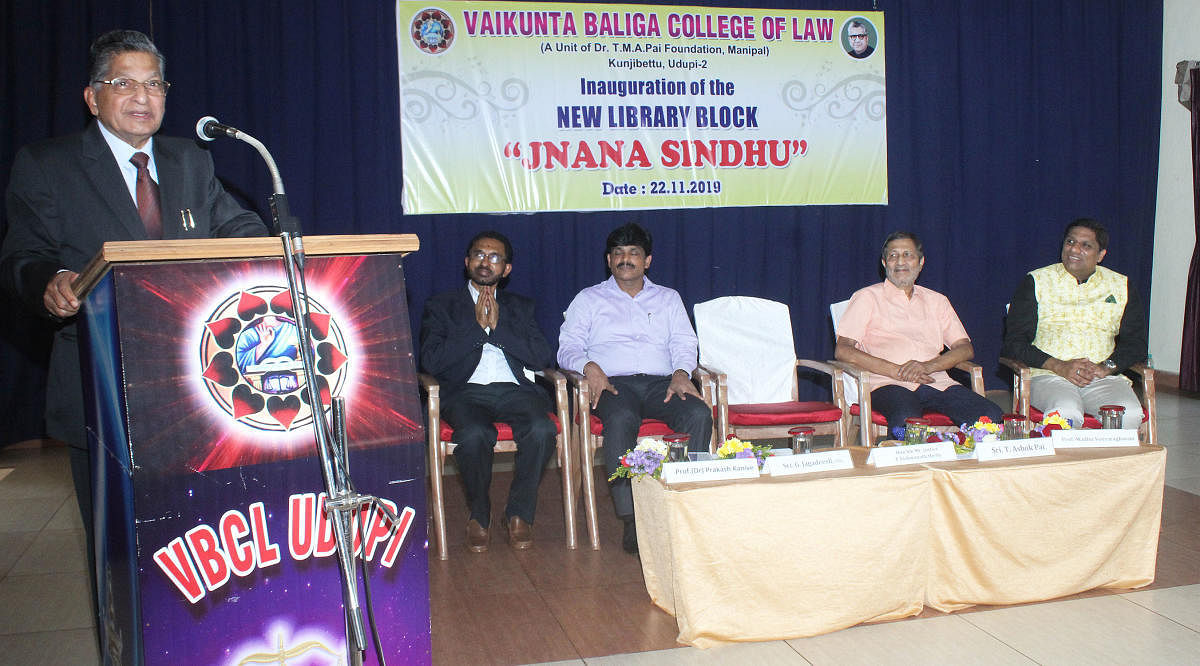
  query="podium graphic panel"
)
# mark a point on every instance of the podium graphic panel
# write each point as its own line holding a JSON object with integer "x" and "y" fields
{"x": 233, "y": 559}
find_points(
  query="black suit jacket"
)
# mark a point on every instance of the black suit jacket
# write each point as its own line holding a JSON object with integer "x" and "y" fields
{"x": 66, "y": 197}
{"x": 452, "y": 341}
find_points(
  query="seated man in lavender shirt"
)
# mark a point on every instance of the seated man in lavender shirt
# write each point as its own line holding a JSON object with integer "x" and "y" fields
{"x": 633, "y": 342}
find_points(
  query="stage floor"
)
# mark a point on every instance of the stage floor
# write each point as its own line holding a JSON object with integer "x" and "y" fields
{"x": 551, "y": 604}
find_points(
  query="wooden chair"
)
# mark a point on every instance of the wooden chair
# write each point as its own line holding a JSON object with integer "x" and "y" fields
{"x": 857, "y": 391}
{"x": 1142, "y": 375}
{"x": 746, "y": 343}
{"x": 587, "y": 430}
{"x": 440, "y": 438}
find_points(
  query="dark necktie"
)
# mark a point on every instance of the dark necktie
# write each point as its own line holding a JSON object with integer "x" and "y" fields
{"x": 147, "y": 197}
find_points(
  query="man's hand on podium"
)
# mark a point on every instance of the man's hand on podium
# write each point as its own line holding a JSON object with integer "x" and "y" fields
{"x": 58, "y": 298}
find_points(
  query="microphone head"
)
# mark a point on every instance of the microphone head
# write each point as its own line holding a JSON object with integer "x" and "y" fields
{"x": 204, "y": 131}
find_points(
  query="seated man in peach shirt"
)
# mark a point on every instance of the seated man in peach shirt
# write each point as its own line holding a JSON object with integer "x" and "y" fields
{"x": 907, "y": 337}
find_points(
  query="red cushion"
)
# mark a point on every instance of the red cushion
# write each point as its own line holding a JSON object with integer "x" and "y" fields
{"x": 876, "y": 417}
{"x": 783, "y": 413}
{"x": 650, "y": 427}
{"x": 937, "y": 419}
{"x": 934, "y": 418}
{"x": 503, "y": 430}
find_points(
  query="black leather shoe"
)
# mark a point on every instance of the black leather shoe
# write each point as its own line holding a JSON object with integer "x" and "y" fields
{"x": 629, "y": 539}
{"x": 520, "y": 533}
{"x": 477, "y": 537}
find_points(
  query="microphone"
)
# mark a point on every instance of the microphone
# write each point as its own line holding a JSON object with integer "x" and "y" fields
{"x": 209, "y": 128}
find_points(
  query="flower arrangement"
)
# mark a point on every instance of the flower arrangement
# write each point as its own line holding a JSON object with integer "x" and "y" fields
{"x": 931, "y": 437}
{"x": 736, "y": 448}
{"x": 1050, "y": 422}
{"x": 983, "y": 430}
{"x": 645, "y": 459}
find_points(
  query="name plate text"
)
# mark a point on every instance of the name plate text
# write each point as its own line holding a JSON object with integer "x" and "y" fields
{"x": 807, "y": 463}
{"x": 710, "y": 470}
{"x": 890, "y": 456}
{"x": 1079, "y": 438}
{"x": 1014, "y": 448}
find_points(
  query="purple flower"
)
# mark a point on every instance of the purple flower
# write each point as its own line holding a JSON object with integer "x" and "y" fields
{"x": 643, "y": 462}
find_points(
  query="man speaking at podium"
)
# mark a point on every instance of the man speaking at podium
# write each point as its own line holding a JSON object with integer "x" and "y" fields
{"x": 115, "y": 181}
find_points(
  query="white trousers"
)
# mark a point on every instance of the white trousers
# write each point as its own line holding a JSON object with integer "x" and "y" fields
{"x": 1053, "y": 393}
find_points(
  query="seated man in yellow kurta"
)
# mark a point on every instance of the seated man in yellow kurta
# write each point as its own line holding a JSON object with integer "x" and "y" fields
{"x": 1078, "y": 325}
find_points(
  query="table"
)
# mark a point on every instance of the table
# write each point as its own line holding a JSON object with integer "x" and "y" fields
{"x": 777, "y": 558}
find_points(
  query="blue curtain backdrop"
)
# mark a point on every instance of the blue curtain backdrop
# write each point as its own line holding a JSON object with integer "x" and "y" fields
{"x": 1005, "y": 121}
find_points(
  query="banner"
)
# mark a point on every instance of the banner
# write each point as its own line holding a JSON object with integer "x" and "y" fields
{"x": 524, "y": 107}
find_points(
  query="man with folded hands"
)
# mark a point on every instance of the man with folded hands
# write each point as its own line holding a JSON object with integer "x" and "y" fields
{"x": 634, "y": 344}
{"x": 483, "y": 348}
{"x": 1078, "y": 326}
{"x": 907, "y": 336}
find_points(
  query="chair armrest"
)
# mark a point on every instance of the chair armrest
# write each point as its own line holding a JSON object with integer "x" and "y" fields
{"x": 827, "y": 368}
{"x": 858, "y": 375}
{"x": 716, "y": 394}
{"x": 428, "y": 382}
{"x": 1015, "y": 365}
{"x": 1142, "y": 370}
{"x": 835, "y": 375}
{"x": 976, "y": 372}
{"x": 575, "y": 380}
{"x": 862, "y": 379}
{"x": 1021, "y": 376}
{"x": 433, "y": 403}
{"x": 557, "y": 382}
{"x": 708, "y": 380}
{"x": 578, "y": 387}
{"x": 1146, "y": 374}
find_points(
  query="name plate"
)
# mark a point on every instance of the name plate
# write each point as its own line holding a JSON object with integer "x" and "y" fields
{"x": 890, "y": 456}
{"x": 1014, "y": 448}
{"x": 806, "y": 463}
{"x": 1079, "y": 438}
{"x": 710, "y": 470}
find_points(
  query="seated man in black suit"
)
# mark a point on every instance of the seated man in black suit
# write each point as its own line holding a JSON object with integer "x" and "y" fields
{"x": 480, "y": 347}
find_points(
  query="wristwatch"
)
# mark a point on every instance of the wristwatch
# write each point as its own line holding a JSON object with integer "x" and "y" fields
{"x": 1111, "y": 365}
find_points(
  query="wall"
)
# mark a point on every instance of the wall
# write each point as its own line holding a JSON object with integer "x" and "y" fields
{"x": 1174, "y": 226}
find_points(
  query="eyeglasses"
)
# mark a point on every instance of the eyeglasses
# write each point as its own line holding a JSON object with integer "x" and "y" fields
{"x": 862, "y": 36}
{"x": 124, "y": 86}
{"x": 490, "y": 257}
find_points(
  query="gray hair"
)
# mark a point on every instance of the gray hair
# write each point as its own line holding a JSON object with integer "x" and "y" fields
{"x": 114, "y": 43}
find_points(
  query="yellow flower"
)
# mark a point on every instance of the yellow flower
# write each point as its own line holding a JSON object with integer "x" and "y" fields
{"x": 732, "y": 446}
{"x": 1056, "y": 418}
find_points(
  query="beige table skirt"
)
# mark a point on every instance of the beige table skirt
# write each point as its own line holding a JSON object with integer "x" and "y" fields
{"x": 770, "y": 559}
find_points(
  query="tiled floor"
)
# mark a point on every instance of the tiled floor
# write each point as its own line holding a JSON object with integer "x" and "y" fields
{"x": 551, "y": 604}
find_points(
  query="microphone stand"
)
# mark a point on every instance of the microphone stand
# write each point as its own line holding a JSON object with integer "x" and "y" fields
{"x": 341, "y": 500}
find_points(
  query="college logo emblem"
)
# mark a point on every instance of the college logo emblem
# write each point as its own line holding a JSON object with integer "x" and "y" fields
{"x": 432, "y": 31}
{"x": 250, "y": 358}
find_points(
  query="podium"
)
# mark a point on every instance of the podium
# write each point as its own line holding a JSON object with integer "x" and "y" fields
{"x": 212, "y": 545}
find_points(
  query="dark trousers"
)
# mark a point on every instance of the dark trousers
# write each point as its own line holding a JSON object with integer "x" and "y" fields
{"x": 639, "y": 397}
{"x": 472, "y": 412}
{"x": 958, "y": 402}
